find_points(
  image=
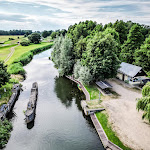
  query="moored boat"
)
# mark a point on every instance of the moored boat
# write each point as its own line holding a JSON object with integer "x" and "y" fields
{"x": 31, "y": 106}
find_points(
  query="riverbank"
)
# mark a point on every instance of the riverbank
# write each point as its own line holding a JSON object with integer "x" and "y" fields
{"x": 93, "y": 92}
{"x": 20, "y": 58}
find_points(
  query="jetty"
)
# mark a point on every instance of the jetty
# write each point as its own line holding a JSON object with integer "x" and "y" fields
{"x": 31, "y": 106}
{"x": 108, "y": 145}
{"x": 6, "y": 108}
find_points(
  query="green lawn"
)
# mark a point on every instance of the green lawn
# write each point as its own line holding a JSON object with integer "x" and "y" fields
{"x": 4, "y": 51}
{"x": 103, "y": 119}
{"x": 5, "y": 38}
{"x": 20, "y": 50}
{"x": 93, "y": 91}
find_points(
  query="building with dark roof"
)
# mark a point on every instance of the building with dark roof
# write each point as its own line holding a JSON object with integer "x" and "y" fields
{"x": 131, "y": 73}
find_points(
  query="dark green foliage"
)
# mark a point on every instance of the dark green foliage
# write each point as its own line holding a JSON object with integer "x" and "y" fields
{"x": 34, "y": 38}
{"x": 142, "y": 55}
{"x": 134, "y": 40}
{"x": 25, "y": 43}
{"x": 15, "y": 32}
{"x": 46, "y": 33}
{"x": 4, "y": 75}
{"x": 100, "y": 56}
{"x": 5, "y": 129}
{"x": 80, "y": 47}
{"x": 144, "y": 102}
{"x": 16, "y": 68}
{"x": 121, "y": 28}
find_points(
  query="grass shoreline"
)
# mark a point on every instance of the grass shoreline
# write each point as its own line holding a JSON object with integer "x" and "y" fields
{"x": 103, "y": 119}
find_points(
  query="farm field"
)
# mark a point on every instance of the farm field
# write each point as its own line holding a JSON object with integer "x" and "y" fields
{"x": 5, "y": 39}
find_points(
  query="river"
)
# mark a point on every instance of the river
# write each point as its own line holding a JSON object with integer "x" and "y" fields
{"x": 60, "y": 123}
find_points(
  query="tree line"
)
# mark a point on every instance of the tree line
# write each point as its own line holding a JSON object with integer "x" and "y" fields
{"x": 15, "y": 32}
{"x": 93, "y": 52}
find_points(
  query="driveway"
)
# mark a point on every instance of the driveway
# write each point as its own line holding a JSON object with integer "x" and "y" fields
{"x": 126, "y": 120}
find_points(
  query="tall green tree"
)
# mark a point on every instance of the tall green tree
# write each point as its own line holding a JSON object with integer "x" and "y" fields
{"x": 134, "y": 40}
{"x": 120, "y": 27}
{"x": 144, "y": 102}
{"x": 4, "y": 75}
{"x": 100, "y": 56}
{"x": 35, "y": 38}
{"x": 142, "y": 55}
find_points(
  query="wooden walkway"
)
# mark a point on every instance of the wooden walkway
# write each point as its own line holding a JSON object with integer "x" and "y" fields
{"x": 87, "y": 95}
{"x": 108, "y": 145}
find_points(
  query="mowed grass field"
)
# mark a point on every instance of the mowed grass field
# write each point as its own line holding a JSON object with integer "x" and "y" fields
{"x": 5, "y": 38}
{"x": 20, "y": 50}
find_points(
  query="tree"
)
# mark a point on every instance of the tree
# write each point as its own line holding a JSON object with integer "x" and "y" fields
{"x": 142, "y": 55}
{"x": 122, "y": 30}
{"x": 53, "y": 35}
{"x": 144, "y": 102}
{"x": 45, "y": 34}
{"x": 100, "y": 56}
{"x": 66, "y": 57}
{"x": 134, "y": 40}
{"x": 80, "y": 48}
{"x": 62, "y": 55}
{"x": 57, "y": 50}
{"x": 34, "y": 38}
{"x": 4, "y": 75}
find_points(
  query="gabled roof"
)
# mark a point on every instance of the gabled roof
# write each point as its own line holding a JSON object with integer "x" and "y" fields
{"x": 103, "y": 85}
{"x": 129, "y": 69}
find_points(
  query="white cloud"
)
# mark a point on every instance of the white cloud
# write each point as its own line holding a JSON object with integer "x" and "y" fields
{"x": 70, "y": 12}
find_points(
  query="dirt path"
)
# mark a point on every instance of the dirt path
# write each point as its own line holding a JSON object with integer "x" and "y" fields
{"x": 126, "y": 120}
{"x": 12, "y": 49}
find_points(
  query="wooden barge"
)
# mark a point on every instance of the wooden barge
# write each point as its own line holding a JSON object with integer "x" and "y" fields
{"x": 31, "y": 106}
{"x": 6, "y": 108}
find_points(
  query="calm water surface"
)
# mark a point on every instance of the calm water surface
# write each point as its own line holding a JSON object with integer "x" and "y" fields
{"x": 59, "y": 123}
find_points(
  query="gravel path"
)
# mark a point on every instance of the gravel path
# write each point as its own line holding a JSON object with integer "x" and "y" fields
{"x": 12, "y": 49}
{"x": 126, "y": 120}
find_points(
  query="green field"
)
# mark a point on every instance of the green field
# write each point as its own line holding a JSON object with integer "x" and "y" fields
{"x": 4, "y": 51}
{"x": 5, "y": 39}
{"x": 20, "y": 50}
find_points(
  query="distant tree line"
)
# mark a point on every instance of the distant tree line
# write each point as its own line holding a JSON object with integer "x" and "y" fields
{"x": 93, "y": 52}
{"x": 15, "y": 32}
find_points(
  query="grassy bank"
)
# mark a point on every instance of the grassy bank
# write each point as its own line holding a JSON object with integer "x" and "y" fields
{"x": 5, "y": 129}
{"x": 16, "y": 67}
{"x": 93, "y": 91}
{"x": 103, "y": 119}
{"x": 20, "y": 50}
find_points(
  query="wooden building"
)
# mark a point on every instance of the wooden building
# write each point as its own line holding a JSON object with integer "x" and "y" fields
{"x": 131, "y": 73}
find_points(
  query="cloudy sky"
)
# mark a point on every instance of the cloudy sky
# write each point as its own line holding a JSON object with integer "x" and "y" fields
{"x": 59, "y": 14}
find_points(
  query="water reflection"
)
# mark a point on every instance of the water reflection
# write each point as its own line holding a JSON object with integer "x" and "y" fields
{"x": 67, "y": 91}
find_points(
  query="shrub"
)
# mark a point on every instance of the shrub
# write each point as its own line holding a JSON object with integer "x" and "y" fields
{"x": 16, "y": 68}
{"x": 5, "y": 128}
{"x": 11, "y": 39}
{"x": 25, "y": 58}
{"x": 25, "y": 43}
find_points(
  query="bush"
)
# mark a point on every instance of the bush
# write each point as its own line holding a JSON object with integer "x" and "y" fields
{"x": 11, "y": 39}
{"x": 16, "y": 68}
{"x": 25, "y": 58}
{"x": 25, "y": 43}
{"x": 5, "y": 129}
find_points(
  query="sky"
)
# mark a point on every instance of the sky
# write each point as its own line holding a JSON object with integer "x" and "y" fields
{"x": 39, "y": 15}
